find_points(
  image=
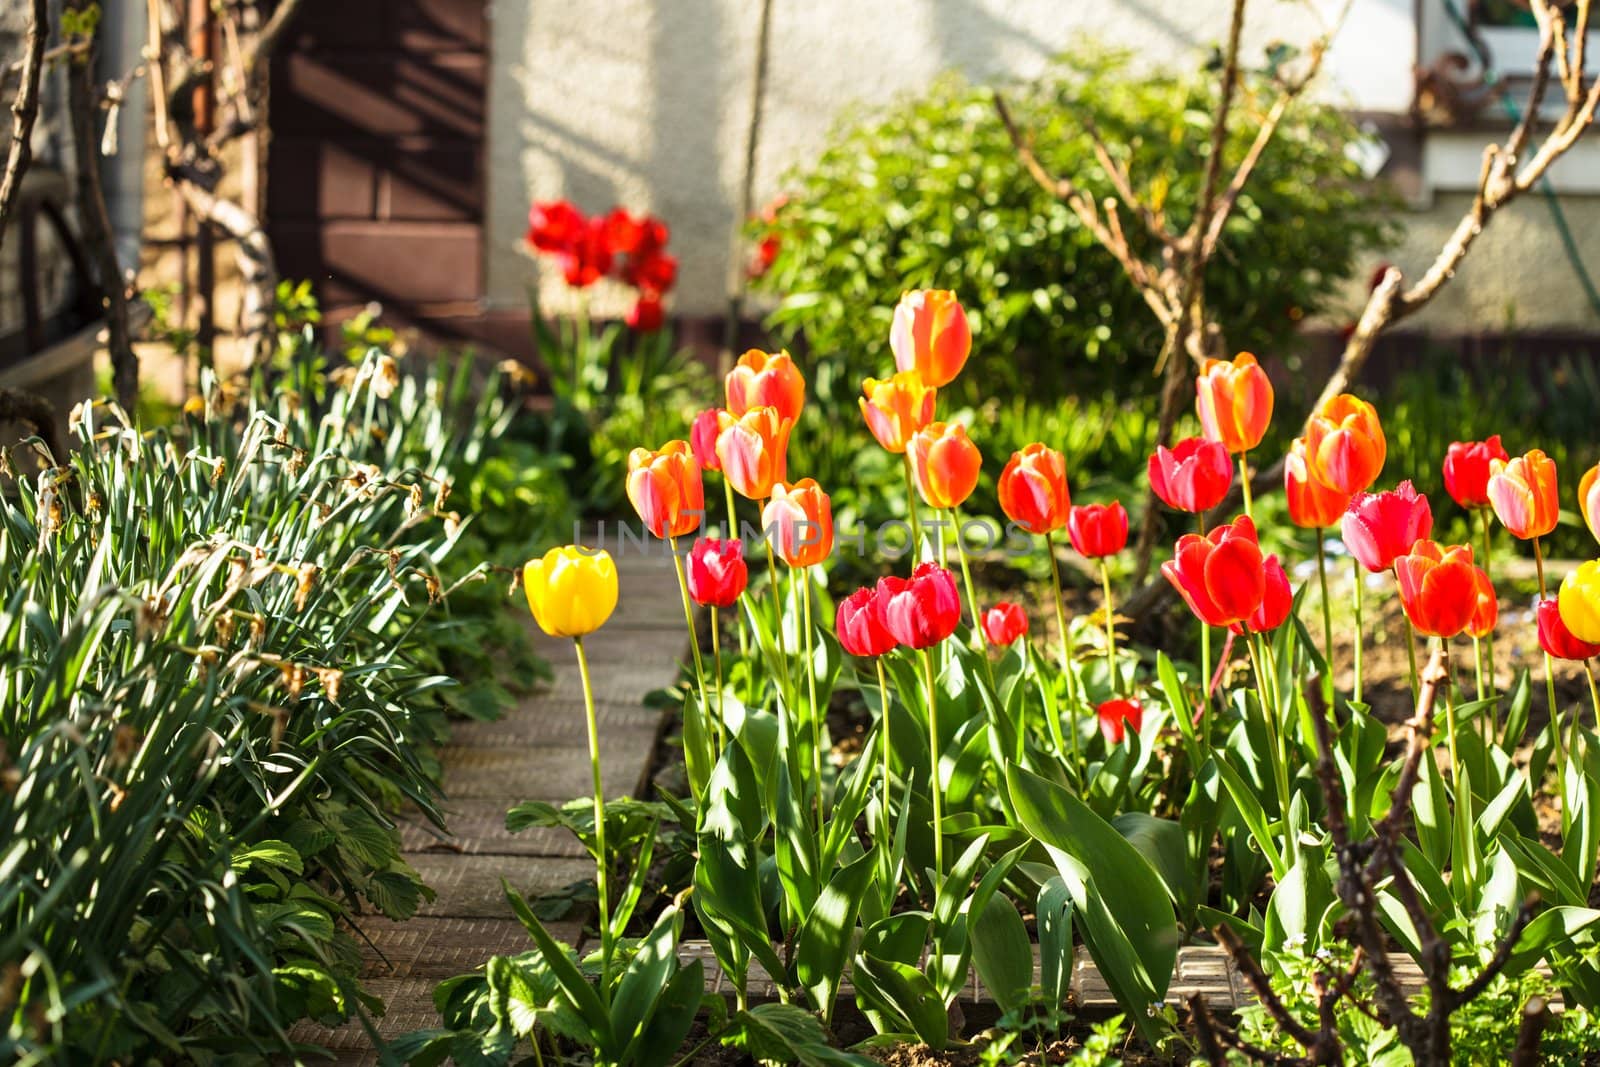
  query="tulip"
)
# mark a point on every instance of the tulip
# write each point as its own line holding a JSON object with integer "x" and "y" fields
{"x": 1033, "y": 489}
{"x": 802, "y": 516}
{"x": 1523, "y": 494}
{"x": 930, "y": 334}
{"x": 1312, "y": 505}
{"x": 1438, "y": 587}
{"x": 945, "y": 464}
{"x": 1589, "y": 499}
{"x": 1579, "y": 602}
{"x": 703, "y": 434}
{"x": 1557, "y": 640}
{"x": 1193, "y": 475}
{"x": 1235, "y": 402}
{"x": 1004, "y": 623}
{"x": 920, "y": 611}
{"x": 766, "y": 379}
{"x": 571, "y": 591}
{"x": 1466, "y": 470}
{"x": 859, "y": 629}
{"x": 897, "y": 407}
{"x": 555, "y": 225}
{"x": 1098, "y": 530}
{"x": 1487, "y": 611}
{"x": 1345, "y": 446}
{"x": 717, "y": 572}
{"x": 1220, "y": 576}
{"x": 1379, "y": 528}
{"x": 1277, "y": 600}
{"x": 664, "y": 487}
{"x": 647, "y": 314}
{"x": 1118, "y": 716}
{"x": 753, "y": 451}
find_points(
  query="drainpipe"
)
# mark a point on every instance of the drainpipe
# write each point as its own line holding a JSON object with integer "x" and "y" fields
{"x": 122, "y": 35}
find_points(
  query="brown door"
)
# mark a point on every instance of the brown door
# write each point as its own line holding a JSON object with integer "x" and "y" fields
{"x": 376, "y": 168}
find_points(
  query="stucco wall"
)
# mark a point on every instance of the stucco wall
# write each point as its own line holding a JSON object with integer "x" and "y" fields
{"x": 645, "y": 103}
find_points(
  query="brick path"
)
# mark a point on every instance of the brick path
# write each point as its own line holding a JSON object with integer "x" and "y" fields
{"x": 537, "y": 751}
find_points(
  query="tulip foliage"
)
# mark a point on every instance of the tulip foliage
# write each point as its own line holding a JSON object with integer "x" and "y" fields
{"x": 1094, "y": 783}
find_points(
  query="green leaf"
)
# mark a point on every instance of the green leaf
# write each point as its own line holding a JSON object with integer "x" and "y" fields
{"x": 1002, "y": 953}
{"x": 1055, "y": 940}
{"x": 784, "y": 1033}
{"x": 825, "y": 939}
{"x": 652, "y": 966}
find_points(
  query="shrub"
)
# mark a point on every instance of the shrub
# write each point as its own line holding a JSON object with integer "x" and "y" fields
{"x": 929, "y": 194}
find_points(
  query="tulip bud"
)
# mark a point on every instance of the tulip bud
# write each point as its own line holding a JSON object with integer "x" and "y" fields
{"x": 1117, "y": 717}
{"x": 1589, "y": 499}
{"x": 944, "y": 464}
{"x": 753, "y": 452}
{"x": 930, "y": 335}
{"x": 1523, "y": 493}
{"x": 860, "y": 631}
{"x": 1192, "y": 475}
{"x": 896, "y": 408}
{"x": 571, "y": 591}
{"x": 1579, "y": 602}
{"x": 1345, "y": 446}
{"x": 664, "y": 487}
{"x": 1466, "y": 470}
{"x": 1033, "y": 489}
{"x": 716, "y": 572}
{"x": 1004, "y": 623}
{"x": 1277, "y": 600}
{"x": 1235, "y": 402}
{"x": 703, "y": 434}
{"x": 1312, "y": 505}
{"x": 766, "y": 379}
{"x": 1381, "y": 527}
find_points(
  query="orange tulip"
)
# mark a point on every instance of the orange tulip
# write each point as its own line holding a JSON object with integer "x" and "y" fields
{"x": 930, "y": 334}
{"x": 761, "y": 379}
{"x": 754, "y": 451}
{"x": 944, "y": 464}
{"x": 1033, "y": 489}
{"x": 1235, "y": 401}
{"x": 1439, "y": 588}
{"x": 1311, "y": 504}
{"x": 664, "y": 487}
{"x": 1589, "y": 500}
{"x": 897, "y": 407}
{"x": 1523, "y": 493}
{"x": 1345, "y": 446}
{"x": 802, "y": 517}
{"x": 1487, "y": 613}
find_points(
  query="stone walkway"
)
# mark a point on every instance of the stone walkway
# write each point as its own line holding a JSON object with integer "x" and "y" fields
{"x": 537, "y": 751}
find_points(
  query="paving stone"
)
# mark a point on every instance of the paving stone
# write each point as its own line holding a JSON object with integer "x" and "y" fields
{"x": 555, "y": 721}
{"x": 469, "y": 886}
{"x": 425, "y": 947}
{"x": 547, "y": 772}
{"x": 478, "y": 827}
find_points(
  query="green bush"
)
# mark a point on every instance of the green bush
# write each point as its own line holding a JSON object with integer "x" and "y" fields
{"x": 929, "y": 194}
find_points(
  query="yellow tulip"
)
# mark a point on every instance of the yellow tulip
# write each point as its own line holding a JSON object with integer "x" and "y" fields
{"x": 1579, "y": 602}
{"x": 572, "y": 591}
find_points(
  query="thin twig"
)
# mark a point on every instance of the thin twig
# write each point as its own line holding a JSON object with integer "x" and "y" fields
{"x": 24, "y": 112}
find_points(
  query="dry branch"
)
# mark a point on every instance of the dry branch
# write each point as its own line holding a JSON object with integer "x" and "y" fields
{"x": 24, "y": 112}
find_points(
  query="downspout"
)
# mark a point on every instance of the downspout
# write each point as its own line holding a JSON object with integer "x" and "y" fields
{"x": 123, "y": 36}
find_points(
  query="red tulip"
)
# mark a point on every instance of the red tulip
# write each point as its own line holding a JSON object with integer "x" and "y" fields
{"x": 1118, "y": 716}
{"x": 703, "y": 434}
{"x": 1235, "y": 401}
{"x": 802, "y": 516}
{"x": 1193, "y": 475}
{"x": 1438, "y": 588}
{"x": 1004, "y": 623}
{"x": 1381, "y": 527}
{"x": 1276, "y": 601}
{"x": 665, "y": 489}
{"x": 1033, "y": 489}
{"x": 1487, "y": 612}
{"x": 1098, "y": 529}
{"x": 1556, "y": 639}
{"x": 930, "y": 334}
{"x": 920, "y": 611}
{"x": 860, "y": 631}
{"x": 762, "y": 379}
{"x": 646, "y": 314}
{"x": 1312, "y": 505}
{"x": 1221, "y": 576}
{"x": 555, "y": 225}
{"x": 716, "y": 572}
{"x": 1466, "y": 470}
{"x": 1524, "y": 495}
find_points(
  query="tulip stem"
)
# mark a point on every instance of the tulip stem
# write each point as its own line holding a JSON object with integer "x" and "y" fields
{"x": 804, "y": 578}
{"x": 1477, "y": 674}
{"x": 1205, "y": 661}
{"x": 935, "y": 789}
{"x": 1483, "y": 515}
{"x": 1327, "y": 606}
{"x": 1111, "y": 629}
{"x": 972, "y": 601}
{"x": 733, "y": 531}
{"x": 1411, "y": 655}
{"x": 599, "y": 823}
{"x": 1360, "y": 629}
{"x": 1550, "y": 676}
{"x": 1594, "y": 694}
{"x": 883, "y": 699}
{"x": 716, "y": 656}
{"x": 694, "y": 637}
{"x": 1269, "y": 716}
{"x": 1450, "y": 714}
{"x": 911, "y": 507}
{"x": 1244, "y": 483}
{"x": 1054, "y": 721}
{"x": 777, "y": 618}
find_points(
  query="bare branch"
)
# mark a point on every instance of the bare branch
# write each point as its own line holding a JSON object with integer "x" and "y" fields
{"x": 1219, "y": 131}
{"x": 24, "y": 112}
{"x": 257, "y": 268}
{"x": 1535, "y": 1015}
{"x": 1261, "y": 986}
